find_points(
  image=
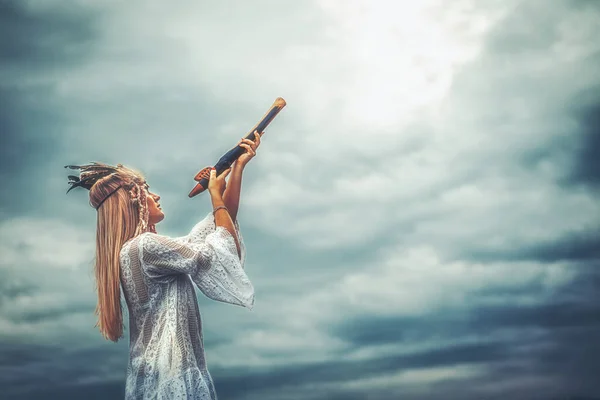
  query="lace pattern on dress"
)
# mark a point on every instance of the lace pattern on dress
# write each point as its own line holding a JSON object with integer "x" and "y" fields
{"x": 158, "y": 274}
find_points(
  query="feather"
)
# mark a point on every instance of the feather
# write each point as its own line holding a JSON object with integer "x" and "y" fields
{"x": 89, "y": 175}
{"x": 74, "y": 185}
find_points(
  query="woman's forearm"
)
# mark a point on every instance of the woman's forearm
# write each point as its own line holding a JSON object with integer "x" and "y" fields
{"x": 231, "y": 197}
{"x": 222, "y": 218}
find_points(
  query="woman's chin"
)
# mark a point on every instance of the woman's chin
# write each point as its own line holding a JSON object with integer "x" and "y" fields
{"x": 156, "y": 219}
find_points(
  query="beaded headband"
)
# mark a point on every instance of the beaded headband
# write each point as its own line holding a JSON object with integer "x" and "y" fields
{"x": 130, "y": 180}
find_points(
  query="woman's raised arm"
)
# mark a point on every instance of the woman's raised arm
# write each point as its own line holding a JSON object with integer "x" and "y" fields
{"x": 216, "y": 187}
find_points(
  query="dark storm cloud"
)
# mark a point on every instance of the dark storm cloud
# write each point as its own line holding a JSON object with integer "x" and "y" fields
{"x": 12, "y": 354}
{"x": 554, "y": 339}
{"x": 41, "y": 40}
{"x": 372, "y": 331}
{"x": 92, "y": 391}
{"x": 579, "y": 150}
{"x": 235, "y": 382}
{"x": 587, "y": 165}
{"x": 62, "y": 373}
{"x": 32, "y": 44}
{"x": 578, "y": 246}
{"x": 29, "y": 137}
{"x": 52, "y": 313}
{"x": 578, "y": 154}
{"x": 504, "y": 361}
{"x": 11, "y": 288}
{"x": 506, "y": 365}
{"x": 520, "y": 67}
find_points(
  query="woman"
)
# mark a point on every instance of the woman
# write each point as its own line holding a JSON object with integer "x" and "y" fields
{"x": 157, "y": 273}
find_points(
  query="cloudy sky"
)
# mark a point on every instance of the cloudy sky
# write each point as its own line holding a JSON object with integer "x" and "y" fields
{"x": 421, "y": 220}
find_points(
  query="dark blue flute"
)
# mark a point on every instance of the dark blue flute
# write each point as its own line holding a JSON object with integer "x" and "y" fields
{"x": 229, "y": 158}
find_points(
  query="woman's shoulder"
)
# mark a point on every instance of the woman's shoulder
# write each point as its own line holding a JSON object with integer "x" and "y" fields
{"x": 135, "y": 242}
{"x": 150, "y": 242}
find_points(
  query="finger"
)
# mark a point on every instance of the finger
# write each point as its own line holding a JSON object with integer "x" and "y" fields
{"x": 251, "y": 144}
{"x": 225, "y": 173}
{"x": 245, "y": 142}
{"x": 213, "y": 173}
{"x": 246, "y": 146}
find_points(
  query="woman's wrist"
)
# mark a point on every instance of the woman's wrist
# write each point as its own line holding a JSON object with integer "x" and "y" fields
{"x": 217, "y": 208}
{"x": 217, "y": 200}
{"x": 239, "y": 165}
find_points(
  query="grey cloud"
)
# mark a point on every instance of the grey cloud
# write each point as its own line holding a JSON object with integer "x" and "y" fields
{"x": 580, "y": 151}
{"x": 30, "y": 369}
{"x": 541, "y": 339}
{"x": 506, "y": 363}
{"x": 289, "y": 377}
{"x": 236, "y": 382}
{"x": 11, "y": 288}
{"x": 54, "y": 37}
{"x": 29, "y": 140}
{"x": 96, "y": 391}
{"x": 373, "y": 331}
{"x": 34, "y": 43}
{"x": 502, "y": 364}
{"x": 517, "y": 37}
{"x": 13, "y": 354}
{"x": 518, "y": 68}
{"x": 52, "y": 313}
{"x": 587, "y": 165}
{"x": 578, "y": 246}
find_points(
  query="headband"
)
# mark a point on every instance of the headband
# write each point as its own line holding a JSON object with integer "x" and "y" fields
{"x": 107, "y": 196}
{"x": 130, "y": 180}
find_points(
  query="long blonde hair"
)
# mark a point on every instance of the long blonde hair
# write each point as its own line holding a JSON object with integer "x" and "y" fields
{"x": 118, "y": 217}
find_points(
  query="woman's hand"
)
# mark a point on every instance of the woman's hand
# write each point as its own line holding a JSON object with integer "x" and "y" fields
{"x": 217, "y": 184}
{"x": 250, "y": 146}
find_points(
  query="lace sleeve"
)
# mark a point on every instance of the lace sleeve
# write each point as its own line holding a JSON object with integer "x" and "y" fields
{"x": 226, "y": 280}
{"x": 202, "y": 229}
{"x": 213, "y": 265}
{"x": 163, "y": 257}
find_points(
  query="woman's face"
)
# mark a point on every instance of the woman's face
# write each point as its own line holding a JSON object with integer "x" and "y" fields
{"x": 155, "y": 214}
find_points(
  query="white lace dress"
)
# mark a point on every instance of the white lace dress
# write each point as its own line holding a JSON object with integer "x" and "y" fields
{"x": 166, "y": 351}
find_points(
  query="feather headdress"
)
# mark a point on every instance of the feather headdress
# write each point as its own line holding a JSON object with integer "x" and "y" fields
{"x": 90, "y": 174}
{"x": 129, "y": 180}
